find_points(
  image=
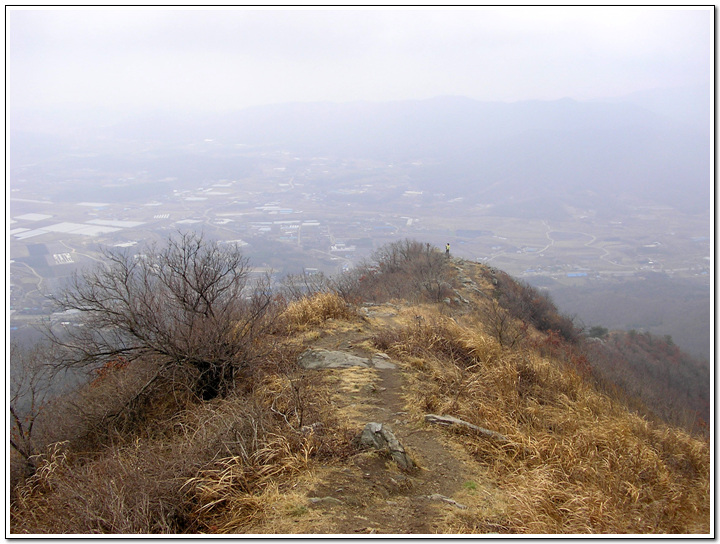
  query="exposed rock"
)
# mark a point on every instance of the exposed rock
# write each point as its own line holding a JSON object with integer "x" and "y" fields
{"x": 331, "y": 501}
{"x": 460, "y": 298}
{"x": 380, "y": 360}
{"x": 377, "y": 436}
{"x": 479, "y": 292}
{"x": 322, "y": 358}
{"x": 306, "y": 429}
{"x": 439, "y": 497}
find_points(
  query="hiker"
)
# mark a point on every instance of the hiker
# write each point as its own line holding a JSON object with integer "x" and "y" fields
{"x": 447, "y": 250}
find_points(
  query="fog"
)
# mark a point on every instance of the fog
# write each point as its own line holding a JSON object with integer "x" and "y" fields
{"x": 569, "y": 146}
{"x": 222, "y": 59}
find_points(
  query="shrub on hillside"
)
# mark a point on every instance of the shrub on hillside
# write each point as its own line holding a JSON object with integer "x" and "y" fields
{"x": 406, "y": 269}
{"x": 189, "y": 304}
{"x": 526, "y": 303}
{"x": 671, "y": 384}
{"x": 202, "y": 467}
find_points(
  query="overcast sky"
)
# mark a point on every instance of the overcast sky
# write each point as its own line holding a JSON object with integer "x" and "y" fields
{"x": 230, "y": 59}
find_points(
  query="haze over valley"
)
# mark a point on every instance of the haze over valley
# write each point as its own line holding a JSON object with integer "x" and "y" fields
{"x": 595, "y": 201}
{"x": 360, "y": 270}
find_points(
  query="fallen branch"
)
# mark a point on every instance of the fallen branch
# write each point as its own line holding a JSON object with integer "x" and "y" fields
{"x": 449, "y": 421}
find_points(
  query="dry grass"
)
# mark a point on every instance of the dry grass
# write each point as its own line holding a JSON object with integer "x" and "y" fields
{"x": 586, "y": 465}
{"x": 211, "y": 468}
{"x": 308, "y": 311}
{"x": 578, "y": 461}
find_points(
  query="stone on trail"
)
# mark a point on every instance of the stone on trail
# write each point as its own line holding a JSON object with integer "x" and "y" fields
{"x": 329, "y": 501}
{"x": 322, "y": 358}
{"x": 380, "y": 360}
{"x": 443, "y": 498}
{"x": 377, "y": 436}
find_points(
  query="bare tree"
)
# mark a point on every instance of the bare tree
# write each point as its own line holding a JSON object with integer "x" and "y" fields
{"x": 188, "y": 304}
{"x": 503, "y": 325}
{"x": 29, "y": 396}
{"x": 407, "y": 269}
{"x": 298, "y": 286}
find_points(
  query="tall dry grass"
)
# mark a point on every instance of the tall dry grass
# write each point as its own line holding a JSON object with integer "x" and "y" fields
{"x": 314, "y": 310}
{"x": 211, "y": 467}
{"x": 585, "y": 463}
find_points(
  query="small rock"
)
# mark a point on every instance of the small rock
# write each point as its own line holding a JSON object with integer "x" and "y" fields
{"x": 381, "y": 362}
{"x": 306, "y": 429}
{"x": 325, "y": 500}
{"x": 443, "y": 498}
{"x": 375, "y": 435}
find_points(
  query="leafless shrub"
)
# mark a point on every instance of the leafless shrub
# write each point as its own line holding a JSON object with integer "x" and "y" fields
{"x": 527, "y": 304}
{"x": 29, "y": 391}
{"x": 502, "y": 325}
{"x": 298, "y": 286}
{"x": 406, "y": 269}
{"x": 189, "y": 304}
{"x": 167, "y": 472}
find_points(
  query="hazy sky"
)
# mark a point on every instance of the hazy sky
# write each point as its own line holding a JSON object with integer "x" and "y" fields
{"x": 233, "y": 58}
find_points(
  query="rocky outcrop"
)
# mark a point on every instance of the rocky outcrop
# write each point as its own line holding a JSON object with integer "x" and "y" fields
{"x": 379, "y": 437}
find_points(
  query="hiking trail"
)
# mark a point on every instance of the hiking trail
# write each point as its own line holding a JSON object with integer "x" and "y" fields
{"x": 369, "y": 493}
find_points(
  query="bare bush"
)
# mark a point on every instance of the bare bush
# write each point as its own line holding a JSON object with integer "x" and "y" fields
{"x": 405, "y": 269}
{"x": 507, "y": 330}
{"x": 189, "y": 304}
{"x": 29, "y": 397}
{"x": 526, "y": 303}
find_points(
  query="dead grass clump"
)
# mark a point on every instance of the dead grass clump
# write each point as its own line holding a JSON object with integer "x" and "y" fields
{"x": 316, "y": 309}
{"x": 584, "y": 464}
{"x": 228, "y": 494}
{"x": 132, "y": 489}
{"x": 607, "y": 478}
{"x": 428, "y": 335}
{"x": 207, "y": 469}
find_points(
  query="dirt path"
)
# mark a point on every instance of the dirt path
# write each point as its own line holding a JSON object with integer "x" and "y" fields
{"x": 370, "y": 493}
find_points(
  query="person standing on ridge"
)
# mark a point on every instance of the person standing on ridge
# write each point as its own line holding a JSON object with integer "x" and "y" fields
{"x": 447, "y": 250}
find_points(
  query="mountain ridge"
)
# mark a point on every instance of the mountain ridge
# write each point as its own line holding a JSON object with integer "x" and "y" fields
{"x": 278, "y": 452}
{"x": 559, "y": 148}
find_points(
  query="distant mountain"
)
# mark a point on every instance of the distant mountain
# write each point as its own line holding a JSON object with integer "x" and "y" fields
{"x": 561, "y": 151}
{"x": 686, "y": 105}
{"x": 520, "y": 156}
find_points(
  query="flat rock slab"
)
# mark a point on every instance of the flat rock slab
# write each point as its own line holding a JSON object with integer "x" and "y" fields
{"x": 323, "y": 358}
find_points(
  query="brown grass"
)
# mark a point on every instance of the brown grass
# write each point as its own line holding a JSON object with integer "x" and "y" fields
{"x": 213, "y": 467}
{"x": 586, "y": 465}
{"x": 578, "y": 462}
{"x": 309, "y": 311}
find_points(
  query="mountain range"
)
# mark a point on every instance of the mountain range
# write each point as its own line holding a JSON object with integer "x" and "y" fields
{"x": 521, "y": 156}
